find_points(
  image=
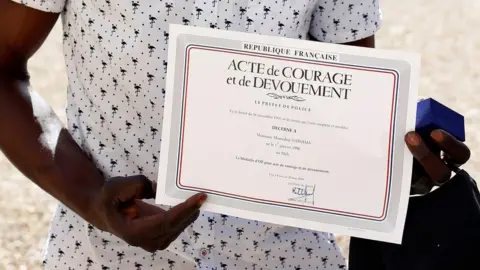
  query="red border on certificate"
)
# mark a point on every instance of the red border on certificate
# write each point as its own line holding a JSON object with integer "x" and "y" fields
{"x": 392, "y": 120}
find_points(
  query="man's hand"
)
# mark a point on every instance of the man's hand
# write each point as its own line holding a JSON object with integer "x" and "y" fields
{"x": 437, "y": 224}
{"x": 140, "y": 224}
{"x": 438, "y": 169}
{"x": 43, "y": 150}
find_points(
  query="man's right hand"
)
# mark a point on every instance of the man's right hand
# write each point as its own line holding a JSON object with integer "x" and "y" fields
{"x": 123, "y": 213}
{"x": 34, "y": 140}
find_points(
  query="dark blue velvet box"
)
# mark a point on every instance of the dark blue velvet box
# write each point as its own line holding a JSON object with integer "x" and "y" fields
{"x": 432, "y": 115}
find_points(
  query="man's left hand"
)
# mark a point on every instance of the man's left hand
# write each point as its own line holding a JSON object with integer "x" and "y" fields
{"x": 438, "y": 168}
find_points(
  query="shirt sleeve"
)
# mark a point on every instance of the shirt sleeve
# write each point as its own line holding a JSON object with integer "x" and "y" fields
{"x": 345, "y": 21}
{"x": 54, "y": 6}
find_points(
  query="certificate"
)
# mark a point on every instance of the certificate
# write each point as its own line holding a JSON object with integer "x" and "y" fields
{"x": 291, "y": 132}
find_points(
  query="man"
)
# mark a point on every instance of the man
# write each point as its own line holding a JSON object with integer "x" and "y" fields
{"x": 116, "y": 55}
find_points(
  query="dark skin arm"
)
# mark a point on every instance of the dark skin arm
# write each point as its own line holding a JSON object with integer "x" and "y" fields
{"x": 31, "y": 136}
{"x": 368, "y": 42}
{"x": 34, "y": 140}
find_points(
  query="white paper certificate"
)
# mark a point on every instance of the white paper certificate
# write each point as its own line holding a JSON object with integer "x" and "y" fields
{"x": 291, "y": 132}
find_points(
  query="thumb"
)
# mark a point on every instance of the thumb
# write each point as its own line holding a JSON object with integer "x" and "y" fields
{"x": 119, "y": 195}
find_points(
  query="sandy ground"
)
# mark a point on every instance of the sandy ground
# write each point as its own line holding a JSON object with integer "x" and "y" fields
{"x": 445, "y": 32}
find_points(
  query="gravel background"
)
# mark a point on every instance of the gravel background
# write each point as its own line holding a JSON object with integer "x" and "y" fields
{"x": 444, "y": 31}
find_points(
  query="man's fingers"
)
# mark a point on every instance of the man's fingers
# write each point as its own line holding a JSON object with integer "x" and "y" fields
{"x": 171, "y": 223}
{"x": 181, "y": 228}
{"x": 119, "y": 195}
{"x": 436, "y": 169}
{"x": 177, "y": 214}
{"x": 167, "y": 221}
{"x": 124, "y": 189}
{"x": 141, "y": 209}
{"x": 186, "y": 222}
{"x": 456, "y": 151}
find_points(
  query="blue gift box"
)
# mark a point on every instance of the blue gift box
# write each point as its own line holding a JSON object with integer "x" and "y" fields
{"x": 432, "y": 115}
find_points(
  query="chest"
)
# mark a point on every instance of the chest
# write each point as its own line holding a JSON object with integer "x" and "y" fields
{"x": 288, "y": 18}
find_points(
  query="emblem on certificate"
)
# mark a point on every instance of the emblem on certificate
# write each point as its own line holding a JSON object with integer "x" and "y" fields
{"x": 292, "y": 132}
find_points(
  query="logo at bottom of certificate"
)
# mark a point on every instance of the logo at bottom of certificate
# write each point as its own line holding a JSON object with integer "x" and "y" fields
{"x": 302, "y": 193}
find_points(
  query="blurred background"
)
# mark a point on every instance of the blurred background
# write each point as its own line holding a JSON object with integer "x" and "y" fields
{"x": 445, "y": 32}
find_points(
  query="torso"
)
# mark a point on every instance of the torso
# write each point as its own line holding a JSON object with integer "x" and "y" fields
{"x": 116, "y": 53}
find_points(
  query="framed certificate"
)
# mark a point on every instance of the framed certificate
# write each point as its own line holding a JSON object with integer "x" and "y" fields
{"x": 287, "y": 131}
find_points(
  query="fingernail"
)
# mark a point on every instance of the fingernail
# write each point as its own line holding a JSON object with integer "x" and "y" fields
{"x": 413, "y": 138}
{"x": 202, "y": 198}
{"x": 437, "y": 135}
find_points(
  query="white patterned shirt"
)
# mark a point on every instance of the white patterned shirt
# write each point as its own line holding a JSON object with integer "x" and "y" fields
{"x": 116, "y": 57}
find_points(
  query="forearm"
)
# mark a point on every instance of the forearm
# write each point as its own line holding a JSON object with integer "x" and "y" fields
{"x": 368, "y": 42}
{"x": 34, "y": 140}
